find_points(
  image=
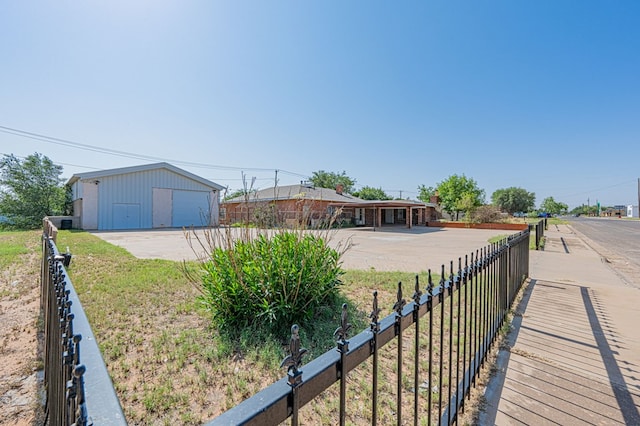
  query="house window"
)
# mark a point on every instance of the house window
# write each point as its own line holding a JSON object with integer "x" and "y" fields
{"x": 223, "y": 213}
{"x": 400, "y": 214}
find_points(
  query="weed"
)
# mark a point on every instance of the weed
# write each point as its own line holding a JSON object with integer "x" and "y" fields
{"x": 265, "y": 280}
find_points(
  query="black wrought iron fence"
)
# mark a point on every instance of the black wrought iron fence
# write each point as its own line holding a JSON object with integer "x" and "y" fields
{"x": 440, "y": 338}
{"x": 78, "y": 388}
{"x": 539, "y": 229}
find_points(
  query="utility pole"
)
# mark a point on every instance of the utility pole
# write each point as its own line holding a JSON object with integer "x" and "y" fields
{"x": 638, "y": 200}
{"x": 275, "y": 198}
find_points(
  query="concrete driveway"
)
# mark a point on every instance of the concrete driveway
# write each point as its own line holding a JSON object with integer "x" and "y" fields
{"x": 384, "y": 249}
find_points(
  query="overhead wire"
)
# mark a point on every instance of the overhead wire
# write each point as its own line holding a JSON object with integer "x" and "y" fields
{"x": 126, "y": 154}
{"x": 55, "y": 162}
{"x": 597, "y": 189}
{"x": 119, "y": 153}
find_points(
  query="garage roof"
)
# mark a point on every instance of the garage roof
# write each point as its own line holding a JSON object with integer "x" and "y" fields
{"x": 143, "y": 168}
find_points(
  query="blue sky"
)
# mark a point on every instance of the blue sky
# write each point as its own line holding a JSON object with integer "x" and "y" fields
{"x": 542, "y": 95}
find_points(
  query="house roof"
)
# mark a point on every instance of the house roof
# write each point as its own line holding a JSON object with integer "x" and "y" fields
{"x": 144, "y": 168}
{"x": 297, "y": 192}
{"x": 387, "y": 204}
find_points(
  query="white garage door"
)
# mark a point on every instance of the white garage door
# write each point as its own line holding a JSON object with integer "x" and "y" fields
{"x": 190, "y": 208}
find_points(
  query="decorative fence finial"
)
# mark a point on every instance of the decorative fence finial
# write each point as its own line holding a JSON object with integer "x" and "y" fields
{"x": 417, "y": 292}
{"x": 375, "y": 314}
{"x": 342, "y": 332}
{"x": 294, "y": 359}
{"x": 400, "y": 302}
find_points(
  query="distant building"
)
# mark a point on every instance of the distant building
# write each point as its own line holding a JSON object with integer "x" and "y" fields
{"x": 615, "y": 211}
{"x": 632, "y": 211}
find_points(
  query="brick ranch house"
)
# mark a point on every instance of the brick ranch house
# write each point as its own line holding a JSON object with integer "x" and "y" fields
{"x": 304, "y": 204}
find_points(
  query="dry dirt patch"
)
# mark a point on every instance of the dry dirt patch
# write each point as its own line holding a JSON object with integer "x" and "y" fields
{"x": 19, "y": 310}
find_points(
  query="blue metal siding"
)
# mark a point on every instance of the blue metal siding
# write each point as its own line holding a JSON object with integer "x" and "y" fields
{"x": 126, "y": 216}
{"x": 137, "y": 188}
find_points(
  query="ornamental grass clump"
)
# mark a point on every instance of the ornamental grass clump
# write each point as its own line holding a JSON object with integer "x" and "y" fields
{"x": 267, "y": 279}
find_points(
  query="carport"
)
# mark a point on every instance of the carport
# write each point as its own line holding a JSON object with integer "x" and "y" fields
{"x": 379, "y": 213}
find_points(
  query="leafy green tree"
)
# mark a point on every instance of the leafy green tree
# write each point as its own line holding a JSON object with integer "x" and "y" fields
{"x": 468, "y": 205}
{"x": 552, "y": 206}
{"x": 425, "y": 193}
{"x": 579, "y": 210}
{"x": 459, "y": 193}
{"x": 370, "y": 193}
{"x": 236, "y": 193}
{"x": 30, "y": 189}
{"x": 324, "y": 179}
{"x": 585, "y": 210}
{"x": 513, "y": 200}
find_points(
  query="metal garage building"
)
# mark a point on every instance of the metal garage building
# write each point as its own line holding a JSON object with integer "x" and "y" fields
{"x": 143, "y": 197}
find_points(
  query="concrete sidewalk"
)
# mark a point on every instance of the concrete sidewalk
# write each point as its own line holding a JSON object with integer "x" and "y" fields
{"x": 573, "y": 356}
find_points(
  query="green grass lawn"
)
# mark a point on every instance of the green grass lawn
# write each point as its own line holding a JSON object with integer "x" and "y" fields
{"x": 15, "y": 248}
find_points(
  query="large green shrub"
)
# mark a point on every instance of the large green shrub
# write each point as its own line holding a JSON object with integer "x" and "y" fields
{"x": 270, "y": 281}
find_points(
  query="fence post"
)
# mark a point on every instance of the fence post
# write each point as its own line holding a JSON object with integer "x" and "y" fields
{"x": 293, "y": 362}
{"x": 397, "y": 307}
{"x": 375, "y": 329}
{"x": 417, "y": 294}
{"x": 343, "y": 347}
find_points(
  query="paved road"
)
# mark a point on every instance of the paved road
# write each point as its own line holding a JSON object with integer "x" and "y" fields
{"x": 617, "y": 241}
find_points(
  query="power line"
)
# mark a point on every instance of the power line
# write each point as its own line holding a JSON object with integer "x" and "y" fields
{"x": 126, "y": 154}
{"x": 596, "y": 189}
{"x": 118, "y": 153}
{"x": 55, "y": 162}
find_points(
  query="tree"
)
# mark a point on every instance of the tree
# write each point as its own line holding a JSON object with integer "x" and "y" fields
{"x": 459, "y": 193}
{"x": 324, "y": 179}
{"x": 30, "y": 189}
{"x": 585, "y": 210}
{"x": 425, "y": 193}
{"x": 513, "y": 200}
{"x": 237, "y": 193}
{"x": 369, "y": 193}
{"x": 552, "y": 206}
{"x": 468, "y": 205}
